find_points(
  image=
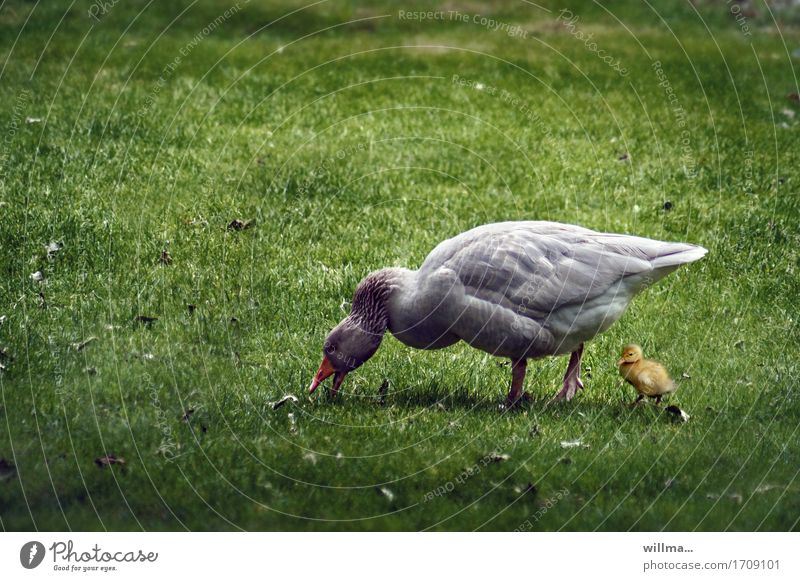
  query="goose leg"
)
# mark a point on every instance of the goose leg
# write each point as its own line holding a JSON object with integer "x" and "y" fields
{"x": 636, "y": 402}
{"x": 572, "y": 378}
{"x": 517, "y": 379}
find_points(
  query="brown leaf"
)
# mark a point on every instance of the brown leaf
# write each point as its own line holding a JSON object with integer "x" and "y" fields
{"x": 145, "y": 320}
{"x": 165, "y": 258}
{"x": 53, "y": 248}
{"x": 793, "y": 97}
{"x": 285, "y": 399}
{"x": 383, "y": 391}
{"x": 82, "y": 344}
{"x": 677, "y": 413}
{"x": 199, "y": 221}
{"x": 108, "y": 460}
{"x": 529, "y": 488}
{"x": 238, "y": 224}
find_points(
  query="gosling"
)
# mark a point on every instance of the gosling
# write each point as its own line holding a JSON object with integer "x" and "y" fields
{"x": 648, "y": 377}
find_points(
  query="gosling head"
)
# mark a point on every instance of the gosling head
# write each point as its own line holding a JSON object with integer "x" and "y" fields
{"x": 630, "y": 354}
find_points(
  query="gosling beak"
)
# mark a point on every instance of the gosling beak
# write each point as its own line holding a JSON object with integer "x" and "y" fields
{"x": 325, "y": 371}
{"x": 620, "y": 362}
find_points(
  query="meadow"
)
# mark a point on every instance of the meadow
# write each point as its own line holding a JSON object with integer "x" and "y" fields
{"x": 190, "y": 192}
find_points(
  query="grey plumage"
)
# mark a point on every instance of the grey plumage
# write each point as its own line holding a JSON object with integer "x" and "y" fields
{"x": 528, "y": 289}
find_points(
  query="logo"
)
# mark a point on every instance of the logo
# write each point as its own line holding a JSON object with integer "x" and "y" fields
{"x": 31, "y": 555}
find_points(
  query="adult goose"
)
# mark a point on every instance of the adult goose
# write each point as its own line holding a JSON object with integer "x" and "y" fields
{"x": 521, "y": 290}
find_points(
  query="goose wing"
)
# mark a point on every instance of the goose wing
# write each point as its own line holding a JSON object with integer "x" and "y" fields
{"x": 517, "y": 274}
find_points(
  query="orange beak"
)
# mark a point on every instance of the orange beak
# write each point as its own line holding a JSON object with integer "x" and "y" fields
{"x": 325, "y": 371}
{"x": 620, "y": 362}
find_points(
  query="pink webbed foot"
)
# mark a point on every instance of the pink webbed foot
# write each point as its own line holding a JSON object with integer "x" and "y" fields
{"x": 572, "y": 378}
{"x": 571, "y": 387}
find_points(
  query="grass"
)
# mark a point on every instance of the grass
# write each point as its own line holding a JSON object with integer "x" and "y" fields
{"x": 345, "y": 137}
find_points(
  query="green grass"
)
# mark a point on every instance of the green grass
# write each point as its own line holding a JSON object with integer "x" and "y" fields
{"x": 353, "y": 149}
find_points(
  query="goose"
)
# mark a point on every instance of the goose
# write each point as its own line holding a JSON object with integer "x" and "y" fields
{"x": 521, "y": 290}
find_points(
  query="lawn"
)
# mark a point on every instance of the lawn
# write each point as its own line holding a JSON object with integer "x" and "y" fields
{"x": 191, "y": 191}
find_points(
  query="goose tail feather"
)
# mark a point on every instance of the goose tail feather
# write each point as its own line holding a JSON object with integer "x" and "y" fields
{"x": 684, "y": 254}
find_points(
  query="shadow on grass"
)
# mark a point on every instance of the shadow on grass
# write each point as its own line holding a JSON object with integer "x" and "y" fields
{"x": 444, "y": 398}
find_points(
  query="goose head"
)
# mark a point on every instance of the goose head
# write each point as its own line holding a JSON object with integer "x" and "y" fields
{"x": 630, "y": 355}
{"x": 346, "y": 348}
{"x": 357, "y": 337}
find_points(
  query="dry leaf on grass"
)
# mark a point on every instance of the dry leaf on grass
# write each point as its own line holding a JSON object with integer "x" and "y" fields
{"x": 239, "y": 225}
{"x": 108, "y": 460}
{"x": 145, "y": 320}
{"x": 573, "y": 444}
{"x": 383, "y": 391}
{"x": 284, "y": 400}
{"x": 81, "y": 345}
{"x": 677, "y": 414}
{"x": 53, "y": 248}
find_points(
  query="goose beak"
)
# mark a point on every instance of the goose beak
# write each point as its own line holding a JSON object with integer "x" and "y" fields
{"x": 325, "y": 371}
{"x": 620, "y": 362}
